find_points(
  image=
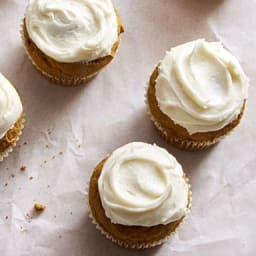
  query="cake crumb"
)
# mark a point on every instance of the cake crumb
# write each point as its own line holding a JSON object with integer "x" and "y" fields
{"x": 12, "y": 175}
{"x": 31, "y": 178}
{"x": 23, "y": 168}
{"x": 61, "y": 153}
{"x": 6, "y": 184}
{"x": 60, "y": 237}
{"x": 6, "y": 217}
{"x": 25, "y": 143}
{"x": 47, "y": 146}
{"x": 39, "y": 207}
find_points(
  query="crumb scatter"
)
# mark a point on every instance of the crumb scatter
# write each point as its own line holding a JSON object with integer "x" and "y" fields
{"x": 23, "y": 168}
{"x": 39, "y": 207}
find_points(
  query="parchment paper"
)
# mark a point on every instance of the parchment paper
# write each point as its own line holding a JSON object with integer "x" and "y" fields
{"x": 68, "y": 131}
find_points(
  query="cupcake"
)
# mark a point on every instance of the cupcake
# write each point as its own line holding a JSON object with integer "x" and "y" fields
{"x": 70, "y": 41}
{"x": 11, "y": 117}
{"x": 197, "y": 94}
{"x": 138, "y": 196}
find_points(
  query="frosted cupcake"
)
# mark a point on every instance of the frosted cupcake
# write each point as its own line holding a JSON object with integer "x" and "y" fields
{"x": 70, "y": 41}
{"x": 138, "y": 196}
{"x": 197, "y": 94}
{"x": 11, "y": 117}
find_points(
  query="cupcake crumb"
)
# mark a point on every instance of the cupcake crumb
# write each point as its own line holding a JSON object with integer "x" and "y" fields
{"x": 31, "y": 178}
{"x": 25, "y": 143}
{"x": 6, "y": 184}
{"x": 6, "y": 217}
{"x": 47, "y": 146}
{"x": 39, "y": 207}
{"x": 23, "y": 168}
{"x": 53, "y": 157}
{"x": 12, "y": 175}
{"x": 61, "y": 153}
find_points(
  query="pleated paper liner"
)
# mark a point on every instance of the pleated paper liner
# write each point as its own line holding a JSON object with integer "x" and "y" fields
{"x": 182, "y": 143}
{"x": 9, "y": 141}
{"x": 138, "y": 245}
{"x": 91, "y": 69}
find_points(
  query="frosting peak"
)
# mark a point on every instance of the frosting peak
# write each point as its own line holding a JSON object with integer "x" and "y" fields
{"x": 72, "y": 30}
{"x": 143, "y": 185}
{"x": 201, "y": 86}
{"x": 10, "y": 106}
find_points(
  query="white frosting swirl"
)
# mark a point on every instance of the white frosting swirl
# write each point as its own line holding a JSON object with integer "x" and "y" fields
{"x": 143, "y": 185}
{"x": 72, "y": 30}
{"x": 201, "y": 86}
{"x": 10, "y": 106}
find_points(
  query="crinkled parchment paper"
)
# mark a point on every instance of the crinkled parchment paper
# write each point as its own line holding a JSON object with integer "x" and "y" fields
{"x": 68, "y": 131}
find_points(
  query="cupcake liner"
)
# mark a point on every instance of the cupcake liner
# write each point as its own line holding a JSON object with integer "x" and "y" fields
{"x": 10, "y": 149}
{"x": 180, "y": 143}
{"x": 138, "y": 246}
{"x": 67, "y": 82}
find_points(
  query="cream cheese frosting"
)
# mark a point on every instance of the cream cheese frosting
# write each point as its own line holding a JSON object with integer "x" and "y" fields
{"x": 10, "y": 106}
{"x": 201, "y": 86}
{"x": 143, "y": 185}
{"x": 72, "y": 30}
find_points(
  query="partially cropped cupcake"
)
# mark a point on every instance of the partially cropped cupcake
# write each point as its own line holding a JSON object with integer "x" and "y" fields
{"x": 197, "y": 94}
{"x": 70, "y": 41}
{"x": 11, "y": 117}
{"x": 138, "y": 196}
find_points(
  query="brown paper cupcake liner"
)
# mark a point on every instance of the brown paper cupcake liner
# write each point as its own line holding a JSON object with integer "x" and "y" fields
{"x": 138, "y": 246}
{"x": 10, "y": 149}
{"x": 182, "y": 143}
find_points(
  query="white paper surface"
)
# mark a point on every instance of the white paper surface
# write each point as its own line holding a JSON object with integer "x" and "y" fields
{"x": 88, "y": 122}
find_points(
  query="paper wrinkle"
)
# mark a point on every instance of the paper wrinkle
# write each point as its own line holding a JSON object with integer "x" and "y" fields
{"x": 69, "y": 130}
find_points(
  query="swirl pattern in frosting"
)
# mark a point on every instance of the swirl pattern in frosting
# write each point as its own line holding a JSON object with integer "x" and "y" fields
{"x": 201, "y": 86}
{"x": 72, "y": 30}
{"x": 10, "y": 106}
{"x": 143, "y": 185}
